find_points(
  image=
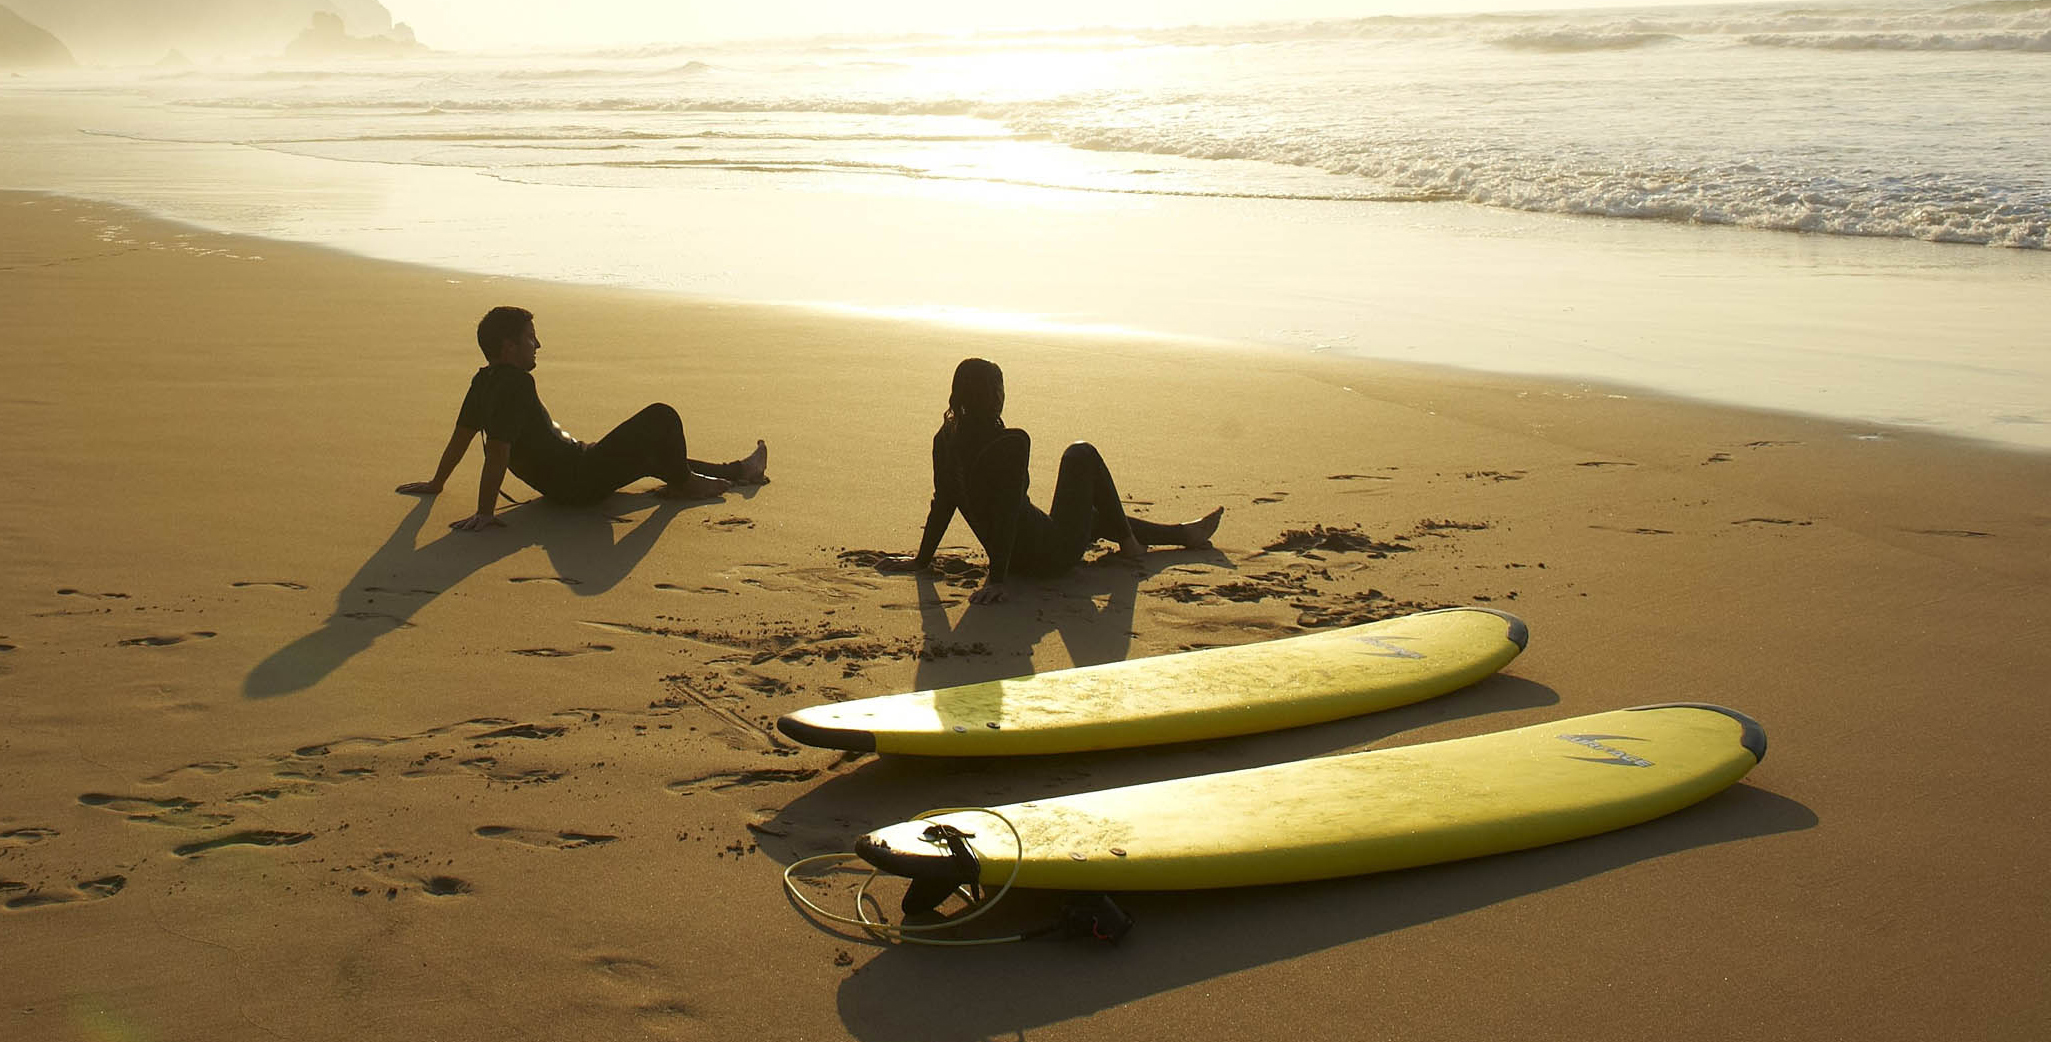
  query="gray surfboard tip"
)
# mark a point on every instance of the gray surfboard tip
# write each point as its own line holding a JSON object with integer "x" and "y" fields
{"x": 1752, "y": 737}
{"x": 826, "y": 737}
{"x": 1519, "y": 634}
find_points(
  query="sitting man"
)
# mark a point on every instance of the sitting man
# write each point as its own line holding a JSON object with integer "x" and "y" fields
{"x": 519, "y": 436}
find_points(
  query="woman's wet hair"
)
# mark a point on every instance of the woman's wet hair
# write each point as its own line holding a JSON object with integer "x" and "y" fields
{"x": 978, "y": 394}
{"x": 499, "y": 325}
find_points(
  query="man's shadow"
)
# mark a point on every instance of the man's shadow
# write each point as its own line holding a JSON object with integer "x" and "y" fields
{"x": 401, "y": 578}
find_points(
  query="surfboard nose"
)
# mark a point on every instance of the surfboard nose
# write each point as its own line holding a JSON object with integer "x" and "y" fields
{"x": 1752, "y": 736}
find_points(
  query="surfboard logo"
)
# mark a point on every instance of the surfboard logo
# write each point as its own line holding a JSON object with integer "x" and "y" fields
{"x": 1387, "y": 650}
{"x": 1616, "y": 756}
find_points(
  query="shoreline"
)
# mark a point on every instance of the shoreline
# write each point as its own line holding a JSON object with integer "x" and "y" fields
{"x": 278, "y": 750}
{"x": 968, "y": 321}
{"x": 1898, "y": 332}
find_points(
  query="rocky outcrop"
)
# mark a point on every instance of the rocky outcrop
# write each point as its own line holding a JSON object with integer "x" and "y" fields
{"x": 139, "y": 32}
{"x": 327, "y": 37}
{"x": 24, "y": 45}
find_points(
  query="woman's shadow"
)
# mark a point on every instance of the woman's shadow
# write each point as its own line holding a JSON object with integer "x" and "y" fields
{"x": 1091, "y": 608}
{"x": 400, "y": 578}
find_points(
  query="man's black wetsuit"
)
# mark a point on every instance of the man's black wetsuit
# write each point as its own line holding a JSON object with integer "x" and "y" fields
{"x": 503, "y": 404}
{"x": 984, "y": 476}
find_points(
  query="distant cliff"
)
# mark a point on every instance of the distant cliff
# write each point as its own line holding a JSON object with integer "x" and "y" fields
{"x": 26, "y": 46}
{"x": 140, "y": 32}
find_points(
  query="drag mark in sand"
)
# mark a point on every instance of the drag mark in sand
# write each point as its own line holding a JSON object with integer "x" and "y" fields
{"x": 543, "y": 837}
{"x": 752, "y": 733}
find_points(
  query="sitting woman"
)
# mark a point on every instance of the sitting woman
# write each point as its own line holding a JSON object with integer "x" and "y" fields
{"x": 979, "y": 468}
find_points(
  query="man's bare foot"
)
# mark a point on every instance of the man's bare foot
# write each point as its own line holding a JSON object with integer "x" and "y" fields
{"x": 697, "y": 486}
{"x": 1197, "y": 534}
{"x": 755, "y": 467}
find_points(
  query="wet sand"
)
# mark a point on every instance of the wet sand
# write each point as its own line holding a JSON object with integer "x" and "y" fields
{"x": 281, "y": 755}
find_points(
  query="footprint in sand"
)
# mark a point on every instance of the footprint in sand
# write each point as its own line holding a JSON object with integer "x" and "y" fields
{"x": 588, "y": 649}
{"x": 166, "y": 641}
{"x": 1955, "y": 533}
{"x": 377, "y": 616}
{"x": 88, "y": 890}
{"x": 695, "y": 589}
{"x": 1632, "y": 531}
{"x": 252, "y": 838}
{"x": 1721, "y": 457}
{"x": 1272, "y": 497}
{"x": 205, "y": 767}
{"x": 827, "y": 583}
{"x": 566, "y": 581}
{"x": 724, "y": 780}
{"x": 175, "y": 812}
{"x": 23, "y": 837}
{"x": 1605, "y": 463}
{"x": 730, "y": 524}
{"x": 1771, "y": 521}
{"x": 69, "y": 592}
{"x": 282, "y": 584}
{"x": 543, "y": 837}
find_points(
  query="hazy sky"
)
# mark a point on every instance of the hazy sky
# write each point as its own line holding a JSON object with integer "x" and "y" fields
{"x": 469, "y": 24}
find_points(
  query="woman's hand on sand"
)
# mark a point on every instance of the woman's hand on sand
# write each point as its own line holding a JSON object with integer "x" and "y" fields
{"x": 988, "y": 593}
{"x": 477, "y": 523}
{"x": 902, "y": 564}
{"x": 419, "y": 488}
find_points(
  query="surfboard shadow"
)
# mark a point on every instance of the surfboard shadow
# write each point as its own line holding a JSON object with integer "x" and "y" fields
{"x": 888, "y": 789}
{"x": 399, "y": 578}
{"x": 1186, "y": 938}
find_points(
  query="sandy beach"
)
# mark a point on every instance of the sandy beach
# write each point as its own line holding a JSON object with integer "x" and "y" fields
{"x": 283, "y": 757}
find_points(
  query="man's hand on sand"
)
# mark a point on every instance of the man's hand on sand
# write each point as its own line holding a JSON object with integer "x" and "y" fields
{"x": 419, "y": 488}
{"x": 988, "y": 593}
{"x": 477, "y": 523}
{"x": 902, "y": 564}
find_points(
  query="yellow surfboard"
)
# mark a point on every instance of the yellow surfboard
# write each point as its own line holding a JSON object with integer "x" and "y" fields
{"x": 1211, "y": 693}
{"x": 1346, "y": 815}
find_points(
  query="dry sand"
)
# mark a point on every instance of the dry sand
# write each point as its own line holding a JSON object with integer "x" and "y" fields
{"x": 282, "y": 757}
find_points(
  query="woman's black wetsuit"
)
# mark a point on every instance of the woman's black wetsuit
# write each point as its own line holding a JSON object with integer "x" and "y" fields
{"x": 983, "y": 475}
{"x": 503, "y": 404}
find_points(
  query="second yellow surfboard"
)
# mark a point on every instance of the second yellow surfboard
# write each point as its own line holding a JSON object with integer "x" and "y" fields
{"x": 1212, "y": 693}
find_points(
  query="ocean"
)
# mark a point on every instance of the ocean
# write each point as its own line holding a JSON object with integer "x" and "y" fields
{"x": 1374, "y": 186}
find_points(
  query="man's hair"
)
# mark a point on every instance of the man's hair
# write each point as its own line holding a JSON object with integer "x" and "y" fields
{"x": 498, "y": 326}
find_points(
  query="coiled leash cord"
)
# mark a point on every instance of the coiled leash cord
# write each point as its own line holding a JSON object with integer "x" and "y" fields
{"x": 908, "y": 933}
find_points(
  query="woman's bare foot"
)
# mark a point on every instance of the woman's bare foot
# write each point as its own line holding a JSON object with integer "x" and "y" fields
{"x": 1197, "y": 534}
{"x": 755, "y": 467}
{"x": 697, "y": 486}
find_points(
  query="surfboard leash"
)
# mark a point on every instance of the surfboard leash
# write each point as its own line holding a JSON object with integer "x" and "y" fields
{"x": 908, "y": 933}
